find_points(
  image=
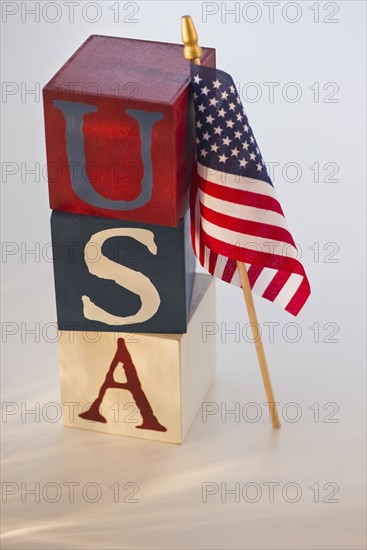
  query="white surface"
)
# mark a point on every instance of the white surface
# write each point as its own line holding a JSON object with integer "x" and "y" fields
{"x": 170, "y": 512}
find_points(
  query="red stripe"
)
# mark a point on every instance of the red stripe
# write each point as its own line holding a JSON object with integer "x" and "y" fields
{"x": 193, "y": 200}
{"x": 298, "y": 300}
{"x": 263, "y": 259}
{"x": 212, "y": 261}
{"x": 193, "y": 195}
{"x": 276, "y": 285}
{"x": 229, "y": 270}
{"x": 238, "y": 196}
{"x": 201, "y": 255}
{"x": 247, "y": 227}
{"x": 253, "y": 273}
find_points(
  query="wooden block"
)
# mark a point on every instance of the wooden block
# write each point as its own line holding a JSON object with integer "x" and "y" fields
{"x": 120, "y": 133}
{"x": 149, "y": 386}
{"x": 114, "y": 275}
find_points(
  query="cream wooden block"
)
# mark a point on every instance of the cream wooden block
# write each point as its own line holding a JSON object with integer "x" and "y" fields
{"x": 140, "y": 385}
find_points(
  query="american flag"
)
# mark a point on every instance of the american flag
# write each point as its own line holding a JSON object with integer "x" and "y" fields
{"x": 235, "y": 215}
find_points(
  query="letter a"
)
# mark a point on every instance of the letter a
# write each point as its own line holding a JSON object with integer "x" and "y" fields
{"x": 122, "y": 355}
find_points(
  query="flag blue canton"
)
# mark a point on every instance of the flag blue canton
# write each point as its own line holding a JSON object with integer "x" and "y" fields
{"x": 224, "y": 138}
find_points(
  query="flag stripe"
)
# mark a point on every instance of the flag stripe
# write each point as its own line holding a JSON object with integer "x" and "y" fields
{"x": 231, "y": 238}
{"x": 212, "y": 261}
{"x": 206, "y": 255}
{"x": 246, "y": 227}
{"x": 264, "y": 280}
{"x": 288, "y": 290}
{"x": 273, "y": 261}
{"x": 298, "y": 300}
{"x": 276, "y": 284}
{"x": 253, "y": 273}
{"x": 240, "y": 196}
{"x": 229, "y": 270}
{"x": 235, "y": 181}
{"x": 242, "y": 211}
{"x": 236, "y": 278}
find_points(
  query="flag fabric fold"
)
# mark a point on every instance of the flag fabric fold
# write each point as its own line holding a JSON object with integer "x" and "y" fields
{"x": 235, "y": 214}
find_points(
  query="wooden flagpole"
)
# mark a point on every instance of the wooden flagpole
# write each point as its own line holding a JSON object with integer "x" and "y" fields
{"x": 193, "y": 52}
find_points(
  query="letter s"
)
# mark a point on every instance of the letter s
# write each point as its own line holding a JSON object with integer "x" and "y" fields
{"x": 128, "y": 278}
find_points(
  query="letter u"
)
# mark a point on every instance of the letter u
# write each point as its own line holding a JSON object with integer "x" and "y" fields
{"x": 74, "y": 118}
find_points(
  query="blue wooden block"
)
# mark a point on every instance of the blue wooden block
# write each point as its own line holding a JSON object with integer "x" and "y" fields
{"x": 117, "y": 275}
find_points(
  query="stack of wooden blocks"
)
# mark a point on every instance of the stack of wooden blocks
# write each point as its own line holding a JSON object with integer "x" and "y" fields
{"x": 120, "y": 142}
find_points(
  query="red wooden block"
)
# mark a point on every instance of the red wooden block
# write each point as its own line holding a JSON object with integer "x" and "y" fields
{"x": 120, "y": 131}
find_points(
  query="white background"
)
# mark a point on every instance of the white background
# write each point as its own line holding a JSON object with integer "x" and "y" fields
{"x": 171, "y": 512}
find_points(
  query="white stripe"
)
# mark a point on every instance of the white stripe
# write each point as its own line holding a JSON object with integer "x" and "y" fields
{"x": 236, "y": 278}
{"x": 263, "y": 280}
{"x": 206, "y": 257}
{"x": 242, "y": 211}
{"x": 220, "y": 266}
{"x": 234, "y": 181}
{"x": 270, "y": 246}
{"x": 289, "y": 290}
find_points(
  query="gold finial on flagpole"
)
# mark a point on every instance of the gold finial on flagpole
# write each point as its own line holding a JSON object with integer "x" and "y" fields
{"x": 192, "y": 50}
